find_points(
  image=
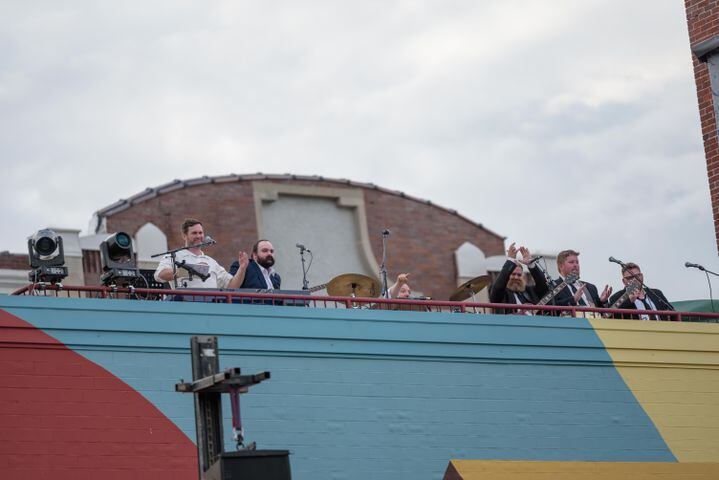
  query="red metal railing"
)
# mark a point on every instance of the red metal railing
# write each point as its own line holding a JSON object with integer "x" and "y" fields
{"x": 317, "y": 301}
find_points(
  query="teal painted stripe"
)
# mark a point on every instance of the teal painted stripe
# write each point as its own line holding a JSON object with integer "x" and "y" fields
{"x": 292, "y": 330}
{"x": 368, "y": 394}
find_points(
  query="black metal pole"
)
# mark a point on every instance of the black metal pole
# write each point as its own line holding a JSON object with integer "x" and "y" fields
{"x": 383, "y": 267}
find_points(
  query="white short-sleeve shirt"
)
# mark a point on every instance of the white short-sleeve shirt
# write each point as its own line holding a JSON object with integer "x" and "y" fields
{"x": 219, "y": 277}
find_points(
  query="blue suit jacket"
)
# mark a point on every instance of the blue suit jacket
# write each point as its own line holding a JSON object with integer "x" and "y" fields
{"x": 254, "y": 277}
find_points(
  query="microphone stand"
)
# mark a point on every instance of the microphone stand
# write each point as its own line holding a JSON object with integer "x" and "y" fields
{"x": 383, "y": 267}
{"x": 305, "y": 283}
{"x": 192, "y": 270}
{"x": 709, "y": 282}
{"x": 644, "y": 286}
{"x": 711, "y": 296}
{"x": 709, "y": 271}
{"x": 547, "y": 277}
{"x": 173, "y": 255}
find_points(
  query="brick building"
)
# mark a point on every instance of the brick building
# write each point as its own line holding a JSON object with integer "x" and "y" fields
{"x": 340, "y": 221}
{"x": 703, "y": 24}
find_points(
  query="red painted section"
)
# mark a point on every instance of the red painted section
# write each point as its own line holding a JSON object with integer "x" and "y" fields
{"x": 65, "y": 417}
{"x": 451, "y": 473}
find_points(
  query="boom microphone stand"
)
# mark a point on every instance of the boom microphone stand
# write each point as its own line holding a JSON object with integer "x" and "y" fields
{"x": 665, "y": 305}
{"x": 707, "y": 272}
{"x": 542, "y": 265}
{"x": 173, "y": 254}
{"x": 305, "y": 283}
{"x": 383, "y": 267}
{"x": 648, "y": 292}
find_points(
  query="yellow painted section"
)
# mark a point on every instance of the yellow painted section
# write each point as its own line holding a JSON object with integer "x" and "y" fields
{"x": 521, "y": 470}
{"x": 673, "y": 370}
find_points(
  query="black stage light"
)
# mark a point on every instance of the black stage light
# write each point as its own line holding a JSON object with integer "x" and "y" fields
{"x": 46, "y": 257}
{"x": 118, "y": 261}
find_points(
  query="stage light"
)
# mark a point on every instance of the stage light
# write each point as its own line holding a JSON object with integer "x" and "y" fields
{"x": 46, "y": 256}
{"x": 118, "y": 260}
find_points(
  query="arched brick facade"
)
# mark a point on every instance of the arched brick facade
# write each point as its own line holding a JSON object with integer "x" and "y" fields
{"x": 703, "y": 25}
{"x": 424, "y": 236}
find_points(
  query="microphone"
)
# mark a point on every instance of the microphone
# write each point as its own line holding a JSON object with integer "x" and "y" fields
{"x": 385, "y": 233}
{"x": 694, "y": 265}
{"x": 302, "y": 247}
{"x": 207, "y": 241}
{"x": 614, "y": 260}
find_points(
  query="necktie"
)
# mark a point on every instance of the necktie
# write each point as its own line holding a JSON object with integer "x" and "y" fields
{"x": 573, "y": 290}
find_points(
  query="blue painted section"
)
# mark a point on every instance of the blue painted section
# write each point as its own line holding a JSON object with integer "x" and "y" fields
{"x": 372, "y": 394}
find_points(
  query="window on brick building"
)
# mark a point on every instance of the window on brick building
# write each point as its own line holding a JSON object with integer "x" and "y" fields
{"x": 149, "y": 240}
{"x": 708, "y": 52}
{"x": 713, "y": 64}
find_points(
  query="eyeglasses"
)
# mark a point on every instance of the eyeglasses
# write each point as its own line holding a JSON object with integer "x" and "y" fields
{"x": 633, "y": 276}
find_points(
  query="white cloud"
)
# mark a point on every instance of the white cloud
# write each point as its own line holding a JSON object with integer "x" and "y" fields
{"x": 559, "y": 124}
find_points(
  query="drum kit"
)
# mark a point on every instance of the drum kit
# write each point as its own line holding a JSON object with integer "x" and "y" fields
{"x": 470, "y": 288}
{"x": 358, "y": 285}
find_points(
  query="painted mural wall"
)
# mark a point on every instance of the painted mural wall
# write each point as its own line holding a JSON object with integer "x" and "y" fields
{"x": 87, "y": 388}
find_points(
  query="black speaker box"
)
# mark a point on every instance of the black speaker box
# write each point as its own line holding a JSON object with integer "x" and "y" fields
{"x": 251, "y": 465}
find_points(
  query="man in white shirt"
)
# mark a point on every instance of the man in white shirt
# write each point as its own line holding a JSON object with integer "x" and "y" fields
{"x": 195, "y": 259}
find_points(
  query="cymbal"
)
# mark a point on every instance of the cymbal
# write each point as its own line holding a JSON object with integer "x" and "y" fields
{"x": 353, "y": 283}
{"x": 470, "y": 287}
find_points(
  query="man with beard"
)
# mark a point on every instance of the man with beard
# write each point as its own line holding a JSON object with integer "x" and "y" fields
{"x": 257, "y": 272}
{"x": 577, "y": 293}
{"x": 511, "y": 287}
{"x": 195, "y": 260}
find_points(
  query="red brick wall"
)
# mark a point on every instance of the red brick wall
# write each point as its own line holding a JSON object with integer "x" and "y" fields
{"x": 423, "y": 241}
{"x": 703, "y": 23}
{"x": 14, "y": 261}
{"x": 226, "y": 210}
{"x": 424, "y": 237}
{"x": 92, "y": 267}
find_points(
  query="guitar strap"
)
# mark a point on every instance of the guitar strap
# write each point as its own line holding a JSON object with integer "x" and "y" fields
{"x": 521, "y": 298}
{"x": 585, "y": 300}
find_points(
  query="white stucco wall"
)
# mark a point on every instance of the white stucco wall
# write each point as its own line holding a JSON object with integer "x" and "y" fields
{"x": 330, "y": 231}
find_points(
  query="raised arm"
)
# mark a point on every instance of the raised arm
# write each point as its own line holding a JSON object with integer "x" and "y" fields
{"x": 402, "y": 279}
{"x": 540, "y": 281}
{"x": 499, "y": 287}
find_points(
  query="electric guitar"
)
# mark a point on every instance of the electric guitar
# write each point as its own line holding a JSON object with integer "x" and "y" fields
{"x": 632, "y": 287}
{"x": 317, "y": 288}
{"x": 571, "y": 278}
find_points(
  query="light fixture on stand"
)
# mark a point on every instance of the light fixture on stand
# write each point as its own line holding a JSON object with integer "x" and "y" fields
{"x": 46, "y": 256}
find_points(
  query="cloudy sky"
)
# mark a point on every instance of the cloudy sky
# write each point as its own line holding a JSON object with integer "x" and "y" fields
{"x": 559, "y": 124}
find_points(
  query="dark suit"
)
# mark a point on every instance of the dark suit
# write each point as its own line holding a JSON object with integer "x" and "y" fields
{"x": 565, "y": 297}
{"x": 656, "y": 296}
{"x": 254, "y": 277}
{"x": 499, "y": 293}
